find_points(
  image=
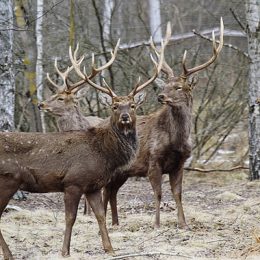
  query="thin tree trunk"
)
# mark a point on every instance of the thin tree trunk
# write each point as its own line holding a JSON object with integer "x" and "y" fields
{"x": 253, "y": 32}
{"x": 72, "y": 24}
{"x": 155, "y": 20}
{"x": 22, "y": 14}
{"x": 7, "y": 83}
{"x": 39, "y": 68}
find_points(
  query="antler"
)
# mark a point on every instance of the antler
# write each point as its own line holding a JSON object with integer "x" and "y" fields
{"x": 64, "y": 75}
{"x": 216, "y": 51}
{"x": 87, "y": 78}
{"x": 165, "y": 67}
{"x": 158, "y": 66}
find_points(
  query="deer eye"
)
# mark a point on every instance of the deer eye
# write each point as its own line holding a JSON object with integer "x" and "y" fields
{"x": 133, "y": 106}
{"x": 60, "y": 99}
{"x": 115, "y": 107}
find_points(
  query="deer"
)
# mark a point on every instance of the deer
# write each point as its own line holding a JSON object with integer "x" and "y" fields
{"x": 64, "y": 103}
{"x": 74, "y": 162}
{"x": 165, "y": 138}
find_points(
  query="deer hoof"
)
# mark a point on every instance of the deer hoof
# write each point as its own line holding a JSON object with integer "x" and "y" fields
{"x": 65, "y": 253}
{"x": 184, "y": 226}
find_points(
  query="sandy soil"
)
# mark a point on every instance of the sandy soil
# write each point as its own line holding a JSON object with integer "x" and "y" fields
{"x": 222, "y": 210}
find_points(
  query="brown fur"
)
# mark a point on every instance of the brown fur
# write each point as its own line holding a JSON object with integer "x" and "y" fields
{"x": 76, "y": 163}
{"x": 165, "y": 138}
{"x": 164, "y": 147}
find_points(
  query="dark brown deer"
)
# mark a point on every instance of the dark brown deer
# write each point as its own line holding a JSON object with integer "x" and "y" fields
{"x": 76, "y": 162}
{"x": 165, "y": 142}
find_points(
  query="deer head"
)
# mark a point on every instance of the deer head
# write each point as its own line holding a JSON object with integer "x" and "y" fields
{"x": 177, "y": 90}
{"x": 123, "y": 107}
{"x": 67, "y": 95}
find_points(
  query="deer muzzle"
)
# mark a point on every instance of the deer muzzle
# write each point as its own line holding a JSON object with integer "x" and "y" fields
{"x": 125, "y": 118}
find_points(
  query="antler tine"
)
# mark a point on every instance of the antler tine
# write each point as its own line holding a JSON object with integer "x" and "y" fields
{"x": 87, "y": 78}
{"x": 165, "y": 67}
{"x": 216, "y": 51}
{"x": 158, "y": 66}
{"x": 53, "y": 83}
{"x": 63, "y": 75}
{"x": 106, "y": 65}
{"x": 109, "y": 89}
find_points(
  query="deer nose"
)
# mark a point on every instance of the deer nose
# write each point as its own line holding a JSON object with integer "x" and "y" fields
{"x": 161, "y": 97}
{"x": 40, "y": 105}
{"x": 125, "y": 117}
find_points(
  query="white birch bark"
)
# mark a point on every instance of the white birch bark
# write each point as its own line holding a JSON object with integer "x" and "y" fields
{"x": 7, "y": 83}
{"x": 108, "y": 7}
{"x": 39, "y": 68}
{"x": 253, "y": 21}
{"x": 155, "y": 20}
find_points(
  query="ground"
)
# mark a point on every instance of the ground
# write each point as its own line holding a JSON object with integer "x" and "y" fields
{"x": 222, "y": 211}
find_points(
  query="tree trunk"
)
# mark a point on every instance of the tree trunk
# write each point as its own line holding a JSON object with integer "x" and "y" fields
{"x": 155, "y": 20}
{"x": 7, "y": 83}
{"x": 253, "y": 32}
{"x": 28, "y": 44}
{"x": 39, "y": 68}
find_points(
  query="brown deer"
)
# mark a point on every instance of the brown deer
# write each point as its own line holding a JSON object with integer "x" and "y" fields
{"x": 76, "y": 162}
{"x": 165, "y": 142}
{"x": 64, "y": 103}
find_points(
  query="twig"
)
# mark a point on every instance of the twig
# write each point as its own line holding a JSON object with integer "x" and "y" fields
{"x": 243, "y": 27}
{"x": 225, "y": 44}
{"x": 154, "y": 236}
{"x": 216, "y": 170}
{"x": 147, "y": 254}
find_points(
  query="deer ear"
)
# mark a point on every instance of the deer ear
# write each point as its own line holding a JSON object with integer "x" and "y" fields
{"x": 139, "y": 98}
{"x": 193, "y": 80}
{"x": 105, "y": 99}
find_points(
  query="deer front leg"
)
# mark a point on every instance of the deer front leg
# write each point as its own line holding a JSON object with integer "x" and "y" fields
{"x": 155, "y": 178}
{"x": 110, "y": 193}
{"x": 96, "y": 203}
{"x": 72, "y": 196}
{"x": 176, "y": 187}
{"x": 7, "y": 189}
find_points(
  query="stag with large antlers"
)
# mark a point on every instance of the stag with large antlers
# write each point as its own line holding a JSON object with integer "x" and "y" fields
{"x": 64, "y": 104}
{"x": 76, "y": 162}
{"x": 165, "y": 142}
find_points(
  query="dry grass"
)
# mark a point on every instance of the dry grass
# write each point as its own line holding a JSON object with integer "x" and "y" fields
{"x": 222, "y": 210}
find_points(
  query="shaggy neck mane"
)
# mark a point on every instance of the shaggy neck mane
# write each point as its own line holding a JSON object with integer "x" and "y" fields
{"x": 177, "y": 122}
{"x": 119, "y": 148}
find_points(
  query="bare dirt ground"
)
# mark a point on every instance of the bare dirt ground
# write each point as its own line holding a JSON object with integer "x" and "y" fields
{"x": 222, "y": 210}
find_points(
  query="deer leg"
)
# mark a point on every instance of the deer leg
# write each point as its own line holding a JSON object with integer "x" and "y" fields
{"x": 72, "y": 196}
{"x": 96, "y": 203}
{"x": 110, "y": 192}
{"x": 87, "y": 209}
{"x": 176, "y": 187}
{"x": 106, "y": 195}
{"x": 7, "y": 190}
{"x": 155, "y": 177}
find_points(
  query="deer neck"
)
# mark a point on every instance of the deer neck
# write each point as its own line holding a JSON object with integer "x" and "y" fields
{"x": 120, "y": 146}
{"x": 177, "y": 120}
{"x": 72, "y": 120}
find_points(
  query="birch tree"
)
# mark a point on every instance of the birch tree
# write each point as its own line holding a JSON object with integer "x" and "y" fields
{"x": 39, "y": 68}
{"x": 155, "y": 20}
{"x": 253, "y": 32}
{"x": 7, "y": 83}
